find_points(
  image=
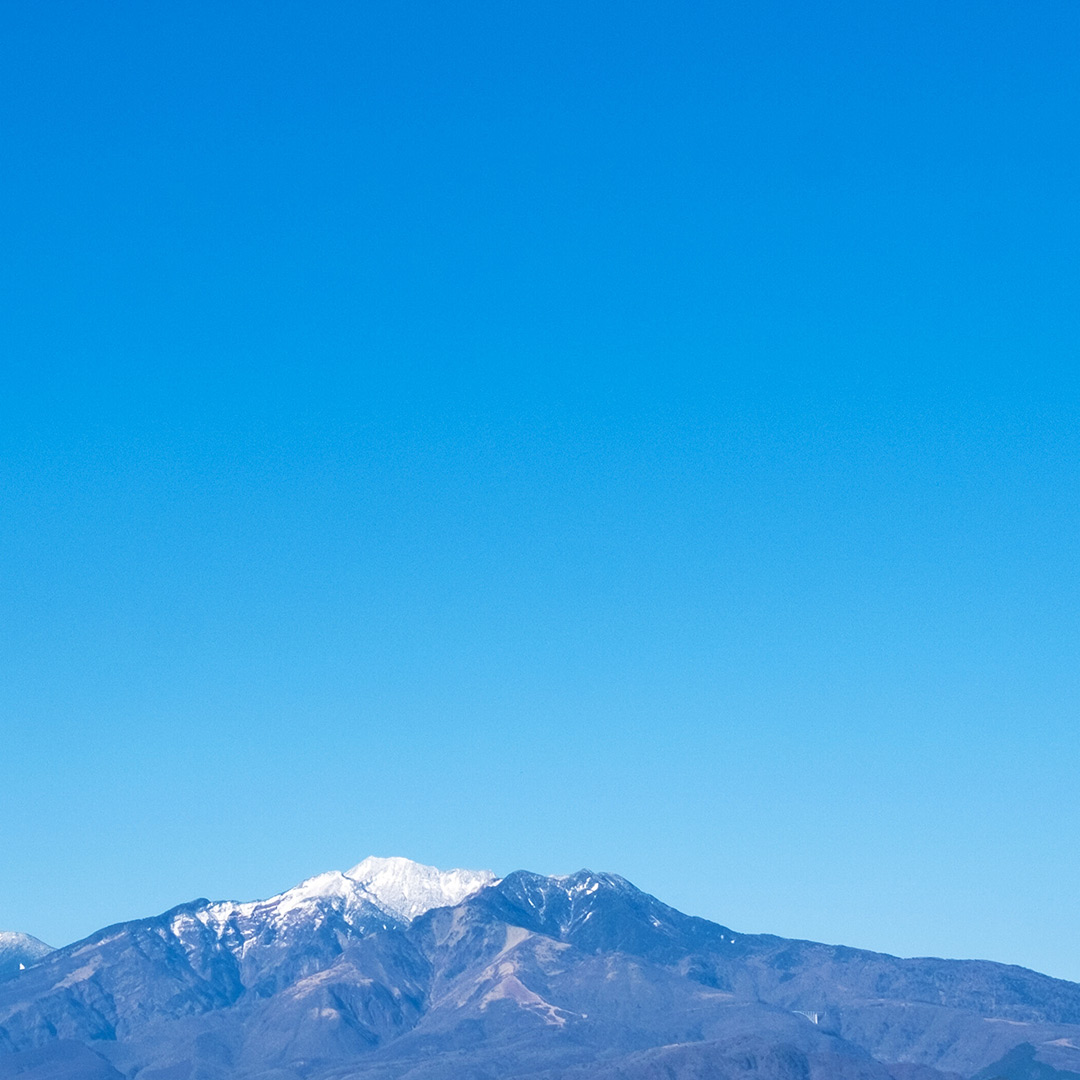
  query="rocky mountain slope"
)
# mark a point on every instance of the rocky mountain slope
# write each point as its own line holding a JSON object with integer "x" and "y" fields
{"x": 396, "y": 970}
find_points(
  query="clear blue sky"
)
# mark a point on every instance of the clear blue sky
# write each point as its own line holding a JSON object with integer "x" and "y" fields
{"x": 636, "y": 436}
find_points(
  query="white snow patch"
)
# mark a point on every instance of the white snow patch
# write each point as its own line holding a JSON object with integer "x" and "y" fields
{"x": 408, "y": 889}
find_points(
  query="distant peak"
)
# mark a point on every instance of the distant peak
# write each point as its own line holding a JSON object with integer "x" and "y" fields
{"x": 408, "y": 889}
{"x": 12, "y": 939}
{"x": 19, "y": 951}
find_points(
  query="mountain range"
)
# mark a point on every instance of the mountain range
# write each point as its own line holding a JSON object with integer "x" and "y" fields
{"x": 396, "y": 970}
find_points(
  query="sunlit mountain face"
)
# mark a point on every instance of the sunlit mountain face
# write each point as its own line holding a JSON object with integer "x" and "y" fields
{"x": 395, "y": 969}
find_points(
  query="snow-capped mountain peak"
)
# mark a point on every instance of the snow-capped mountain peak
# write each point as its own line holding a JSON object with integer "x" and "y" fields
{"x": 12, "y": 939}
{"x": 332, "y": 888}
{"x": 19, "y": 951}
{"x": 407, "y": 889}
{"x": 376, "y": 894}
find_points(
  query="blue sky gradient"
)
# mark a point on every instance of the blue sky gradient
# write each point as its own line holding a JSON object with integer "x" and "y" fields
{"x": 642, "y": 437}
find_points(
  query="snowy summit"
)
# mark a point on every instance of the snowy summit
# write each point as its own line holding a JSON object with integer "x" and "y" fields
{"x": 407, "y": 889}
{"x": 375, "y": 893}
{"x": 20, "y": 951}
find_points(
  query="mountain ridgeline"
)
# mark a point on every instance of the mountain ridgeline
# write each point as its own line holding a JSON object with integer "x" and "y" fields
{"x": 396, "y": 970}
